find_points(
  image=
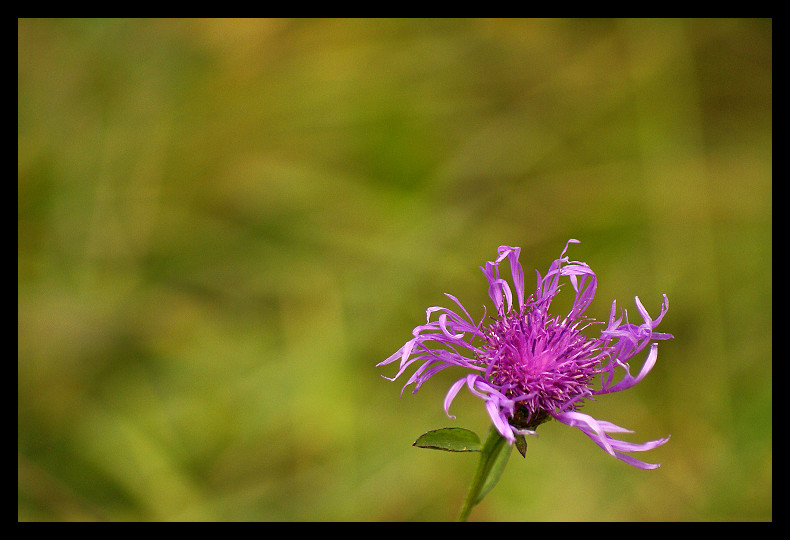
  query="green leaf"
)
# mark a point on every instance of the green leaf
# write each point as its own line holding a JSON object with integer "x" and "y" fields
{"x": 450, "y": 440}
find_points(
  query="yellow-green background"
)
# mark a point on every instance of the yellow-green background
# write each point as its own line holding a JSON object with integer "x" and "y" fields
{"x": 223, "y": 225}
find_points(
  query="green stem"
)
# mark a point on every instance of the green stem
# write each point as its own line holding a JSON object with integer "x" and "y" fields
{"x": 493, "y": 459}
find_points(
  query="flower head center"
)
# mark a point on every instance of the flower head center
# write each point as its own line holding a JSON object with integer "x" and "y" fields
{"x": 542, "y": 363}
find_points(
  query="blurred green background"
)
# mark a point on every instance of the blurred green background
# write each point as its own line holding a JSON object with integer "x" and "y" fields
{"x": 223, "y": 225}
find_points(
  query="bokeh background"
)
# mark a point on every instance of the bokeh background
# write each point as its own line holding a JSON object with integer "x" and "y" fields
{"x": 223, "y": 225}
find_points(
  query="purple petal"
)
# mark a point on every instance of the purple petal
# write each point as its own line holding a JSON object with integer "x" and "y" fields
{"x": 454, "y": 299}
{"x": 451, "y": 395}
{"x": 625, "y": 446}
{"x": 585, "y": 423}
{"x": 569, "y": 242}
{"x": 609, "y": 427}
{"x": 629, "y": 381}
{"x": 638, "y": 463}
{"x": 443, "y": 326}
{"x": 516, "y": 270}
{"x": 500, "y": 423}
{"x": 629, "y": 459}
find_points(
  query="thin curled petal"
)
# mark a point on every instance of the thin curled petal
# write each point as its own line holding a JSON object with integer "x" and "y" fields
{"x": 495, "y": 291}
{"x": 608, "y": 427}
{"x": 407, "y": 349}
{"x": 512, "y": 253}
{"x": 638, "y": 463}
{"x": 630, "y": 459}
{"x": 629, "y": 381}
{"x": 454, "y": 299}
{"x": 568, "y": 243}
{"x": 500, "y": 423}
{"x": 530, "y": 432}
{"x": 448, "y": 399}
{"x": 588, "y": 425}
{"x": 443, "y": 326}
{"x": 625, "y": 446}
{"x": 643, "y": 312}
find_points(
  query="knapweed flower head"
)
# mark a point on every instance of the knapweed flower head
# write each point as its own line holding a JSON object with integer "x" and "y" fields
{"x": 530, "y": 366}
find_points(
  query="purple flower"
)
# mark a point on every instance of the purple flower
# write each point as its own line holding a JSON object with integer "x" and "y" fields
{"x": 529, "y": 366}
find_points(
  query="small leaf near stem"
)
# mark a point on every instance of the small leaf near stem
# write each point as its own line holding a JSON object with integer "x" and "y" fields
{"x": 450, "y": 440}
{"x": 493, "y": 459}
